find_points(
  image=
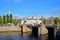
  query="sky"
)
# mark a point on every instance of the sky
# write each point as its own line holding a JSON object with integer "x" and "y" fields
{"x": 24, "y": 8}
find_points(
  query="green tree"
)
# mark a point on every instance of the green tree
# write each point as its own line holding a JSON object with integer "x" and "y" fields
{"x": 45, "y": 21}
{"x": 18, "y": 21}
{"x": 10, "y": 18}
{"x": 59, "y": 21}
{"x": 14, "y": 21}
{"x": 1, "y": 20}
{"x": 4, "y": 19}
{"x": 56, "y": 20}
{"x": 24, "y": 21}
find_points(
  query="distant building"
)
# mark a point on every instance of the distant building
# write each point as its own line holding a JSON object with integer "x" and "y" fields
{"x": 51, "y": 20}
{"x": 31, "y": 20}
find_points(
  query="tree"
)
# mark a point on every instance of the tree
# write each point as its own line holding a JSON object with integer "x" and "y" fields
{"x": 18, "y": 21}
{"x": 1, "y": 20}
{"x": 4, "y": 19}
{"x": 59, "y": 21}
{"x": 10, "y": 18}
{"x": 56, "y": 20}
{"x": 14, "y": 21}
{"x": 24, "y": 21}
{"x": 45, "y": 21}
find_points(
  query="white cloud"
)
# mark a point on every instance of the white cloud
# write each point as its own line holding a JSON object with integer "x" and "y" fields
{"x": 55, "y": 10}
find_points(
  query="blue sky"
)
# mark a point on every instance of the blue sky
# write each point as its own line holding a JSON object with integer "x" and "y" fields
{"x": 44, "y": 8}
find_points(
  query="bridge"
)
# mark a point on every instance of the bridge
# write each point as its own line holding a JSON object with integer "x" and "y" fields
{"x": 51, "y": 30}
{"x": 38, "y": 29}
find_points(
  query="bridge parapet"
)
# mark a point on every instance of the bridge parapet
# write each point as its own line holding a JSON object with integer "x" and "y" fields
{"x": 51, "y": 26}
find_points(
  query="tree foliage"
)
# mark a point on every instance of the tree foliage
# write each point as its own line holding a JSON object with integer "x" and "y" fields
{"x": 14, "y": 21}
{"x": 1, "y": 20}
{"x": 57, "y": 20}
{"x": 18, "y": 21}
{"x": 4, "y": 19}
{"x": 9, "y": 18}
{"x": 45, "y": 21}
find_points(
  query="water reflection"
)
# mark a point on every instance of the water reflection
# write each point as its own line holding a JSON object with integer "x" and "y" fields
{"x": 17, "y": 36}
{"x": 28, "y": 36}
{"x": 9, "y": 35}
{"x": 44, "y": 37}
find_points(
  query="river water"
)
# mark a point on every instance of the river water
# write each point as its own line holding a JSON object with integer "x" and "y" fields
{"x": 18, "y": 36}
{"x": 21, "y": 36}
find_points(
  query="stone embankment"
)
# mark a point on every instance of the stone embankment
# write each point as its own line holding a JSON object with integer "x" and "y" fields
{"x": 14, "y": 28}
{"x": 10, "y": 28}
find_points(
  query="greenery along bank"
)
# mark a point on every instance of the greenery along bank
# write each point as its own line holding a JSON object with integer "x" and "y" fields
{"x": 5, "y": 19}
{"x": 50, "y": 20}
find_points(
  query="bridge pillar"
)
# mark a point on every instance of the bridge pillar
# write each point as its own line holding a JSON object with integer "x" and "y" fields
{"x": 21, "y": 29}
{"x": 51, "y": 32}
{"x": 35, "y": 31}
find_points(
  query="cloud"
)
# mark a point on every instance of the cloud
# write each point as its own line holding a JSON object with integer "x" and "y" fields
{"x": 55, "y": 10}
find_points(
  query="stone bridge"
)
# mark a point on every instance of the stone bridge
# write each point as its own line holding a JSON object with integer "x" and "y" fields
{"x": 29, "y": 28}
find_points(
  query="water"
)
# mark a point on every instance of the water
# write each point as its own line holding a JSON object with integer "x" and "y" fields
{"x": 58, "y": 35}
{"x": 17, "y": 36}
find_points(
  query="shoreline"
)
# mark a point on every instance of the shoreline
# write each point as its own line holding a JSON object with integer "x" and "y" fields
{"x": 9, "y": 28}
{"x": 14, "y": 29}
